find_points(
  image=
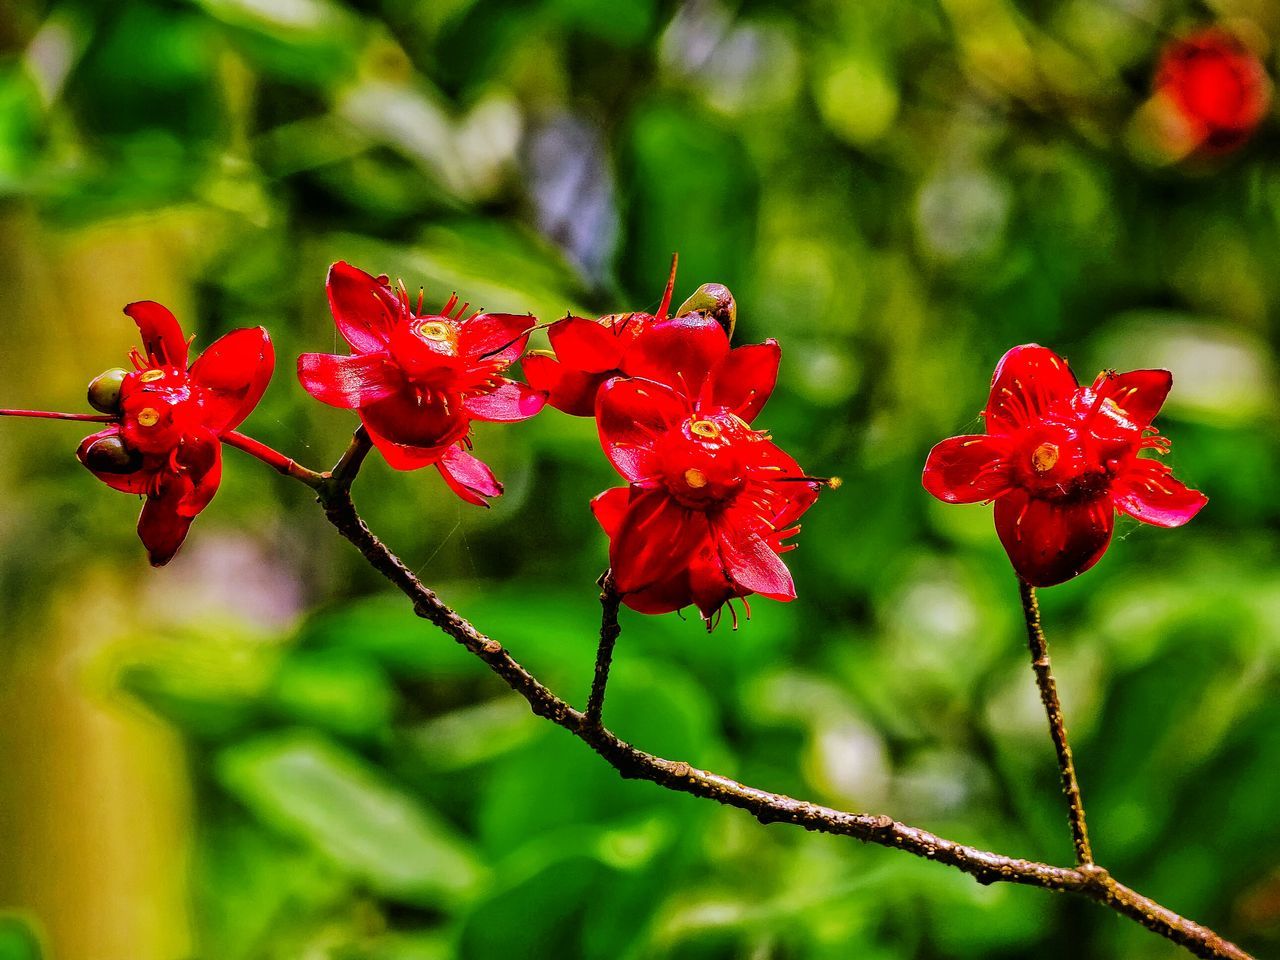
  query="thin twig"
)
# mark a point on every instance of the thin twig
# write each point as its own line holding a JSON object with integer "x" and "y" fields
{"x": 56, "y": 415}
{"x": 1089, "y": 881}
{"x": 609, "y": 630}
{"x": 273, "y": 458}
{"x": 1057, "y": 725}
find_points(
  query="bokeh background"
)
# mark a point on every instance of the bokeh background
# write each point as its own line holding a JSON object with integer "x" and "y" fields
{"x": 258, "y": 753}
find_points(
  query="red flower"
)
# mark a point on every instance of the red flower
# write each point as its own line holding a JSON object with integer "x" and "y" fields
{"x": 417, "y": 382}
{"x": 1059, "y": 459}
{"x": 589, "y": 353}
{"x": 710, "y": 500}
{"x": 1217, "y": 86}
{"x": 166, "y": 444}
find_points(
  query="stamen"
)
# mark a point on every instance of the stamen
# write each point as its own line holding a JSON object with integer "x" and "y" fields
{"x": 148, "y": 417}
{"x": 831, "y": 483}
{"x": 151, "y": 376}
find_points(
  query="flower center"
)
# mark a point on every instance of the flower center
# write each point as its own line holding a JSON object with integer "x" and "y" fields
{"x": 705, "y": 428}
{"x": 151, "y": 376}
{"x": 1045, "y": 457}
{"x": 435, "y": 330}
{"x": 695, "y": 478}
{"x": 148, "y": 416}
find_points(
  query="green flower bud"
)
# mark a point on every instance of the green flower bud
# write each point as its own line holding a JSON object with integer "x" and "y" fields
{"x": 110, "y": 455}
{"x": 715, "y": 300}
{"x": 104, "y": 390}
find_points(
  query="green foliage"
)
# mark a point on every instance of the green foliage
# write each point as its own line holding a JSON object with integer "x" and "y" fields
{"x": 898, "y": 192}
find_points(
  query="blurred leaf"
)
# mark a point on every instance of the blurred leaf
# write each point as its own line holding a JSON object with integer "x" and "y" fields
{"x": 334, "y": 691}
{"x": 312, "y": 790}
{"x": 692, "y": 191}
{"x": 209, "y": 687}
{"x": 18, "y": 939}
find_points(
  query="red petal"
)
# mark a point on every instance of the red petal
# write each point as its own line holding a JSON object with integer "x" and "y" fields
{"x": 200, "y": 457}
{"x": 468, "y": 477}
{"x": 349, "y": 382}
{"x": 1028, "y": 379}
{"x": 1147, "y": 491}
{"x": 572, "y": 391}
{"x": 363, "y": 307}
{"x": 403, "y": 456}
{"x": 501, "y": 337}
{"x": 433, "y": 421}
{"x": 656, "y": 537}
{"x": 750, "y": 562}
{"x": 1049, "y": 542}
{"x": 583, "y": 344}
{"x": 167, "y": 514}
{"x": 1139, "y": 393}
{"x": 631, "y": 414}
{"x": 510, "y": 403}
{"x": 139, "y": 481}
{"x": 968, "y": 469}
{"x": 161, "y": 527}
{"x": 234, "y": 371}
{"x": 744, "y": 379}
{"x": 609, "y": 509}
{"x": 161, "y": 335}
{"x": 679, "y": 352}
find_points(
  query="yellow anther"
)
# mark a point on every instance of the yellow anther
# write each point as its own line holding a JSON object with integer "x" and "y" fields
{"x": 705, "y": 428}
{"x": 435, "y": 330}
{"x": 1045, "y": 457}
{"x": 695, "y": 478}
{"x": 148, "y": 417}
{"x": 151, "y": 376}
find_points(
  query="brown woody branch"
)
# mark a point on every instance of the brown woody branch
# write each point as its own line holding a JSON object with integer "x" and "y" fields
{"x": 1088, "y": 879}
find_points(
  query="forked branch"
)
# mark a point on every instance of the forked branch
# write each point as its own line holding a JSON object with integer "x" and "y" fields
{"x": 1087, "y": 879}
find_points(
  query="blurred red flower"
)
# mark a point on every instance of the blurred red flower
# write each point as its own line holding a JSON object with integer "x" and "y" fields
{"x": 1217, "y": 86}
{"x": 1059, "y": 460}
{"x": 417, "y": 382}
{"x": 166, "y": 444}
{"x": 710, "y": 501}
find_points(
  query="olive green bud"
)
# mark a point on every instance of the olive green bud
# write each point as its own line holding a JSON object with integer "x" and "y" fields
{"x": 104, "y": 390}
{"x": 715, "y": 300}
{"x": 110, "y": 455}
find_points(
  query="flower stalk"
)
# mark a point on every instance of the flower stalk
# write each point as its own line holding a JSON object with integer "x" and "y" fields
{"x": 55, "y": 415}
{"x": 1057, "y": 725}
{"x": 273, "y": 458}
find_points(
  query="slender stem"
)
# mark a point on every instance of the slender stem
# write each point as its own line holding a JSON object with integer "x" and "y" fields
{"x": 1057, "y": 725}
{"x": 273, "y": 458}
{"x": 985, "y": 866}
{"x": 54, "y": 415}
{"x": 609, "y": 631}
